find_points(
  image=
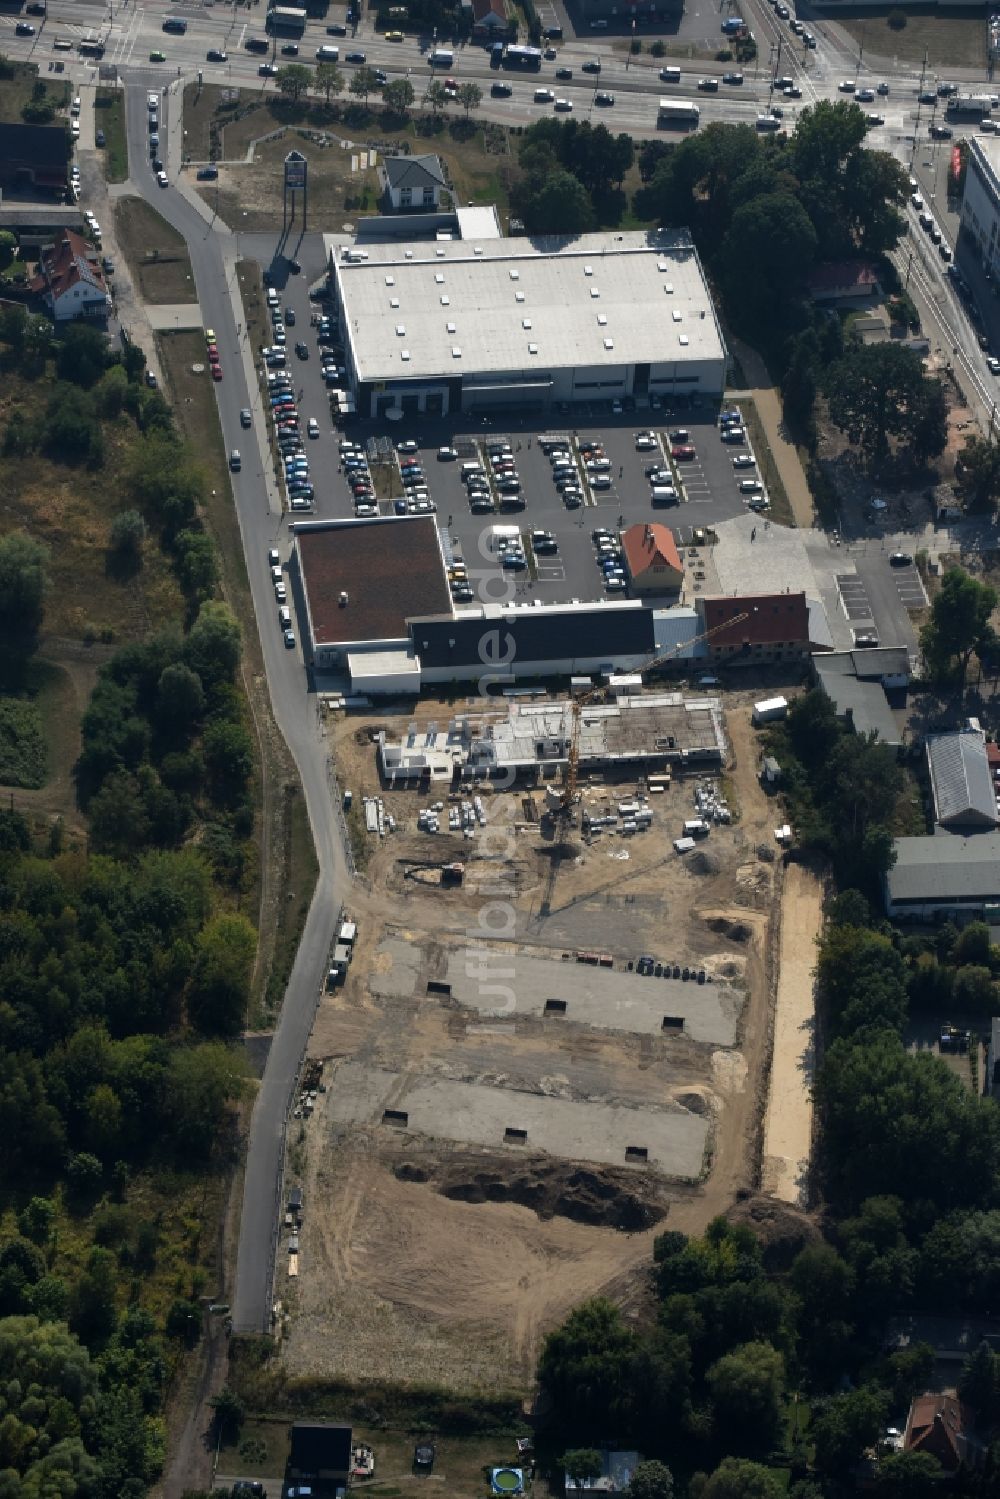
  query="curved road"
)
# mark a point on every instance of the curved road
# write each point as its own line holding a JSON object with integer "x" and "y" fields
{"x": 213, "y": 253}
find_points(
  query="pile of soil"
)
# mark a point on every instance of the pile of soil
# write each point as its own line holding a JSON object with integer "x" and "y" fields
{"x": 702, "y": 862}
{"x": 582, "y": 1194}
{"x": 783, "y": 1231}
{"x": 736, "y": 931}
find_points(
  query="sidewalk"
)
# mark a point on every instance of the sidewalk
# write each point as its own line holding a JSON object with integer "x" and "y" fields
{"x": 785, "y": 454}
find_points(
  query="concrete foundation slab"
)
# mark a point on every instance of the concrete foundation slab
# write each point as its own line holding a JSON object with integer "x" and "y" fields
{"x": 468, "y": 1113}
{"x": 511, "y": 984}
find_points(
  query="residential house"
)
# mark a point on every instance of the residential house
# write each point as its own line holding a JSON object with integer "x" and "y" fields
{"x": 70, "y": 280}
{"x": 489, "y": 18}
{"x": 654, "y": 562}
{"x": 615, "y": 1476}
{"x": 34, "y": 156}
{"x": 943, "y": 1426}
{"x": 320, "y": 1457}
{"x": 849, "y": 281}
{"x": 411, "y": 183}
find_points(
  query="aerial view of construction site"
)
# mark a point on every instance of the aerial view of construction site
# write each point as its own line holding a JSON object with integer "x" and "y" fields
{"x": 548, "y": 1023}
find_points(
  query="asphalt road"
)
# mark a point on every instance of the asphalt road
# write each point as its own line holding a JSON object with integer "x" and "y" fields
{"x": 212, "y": 261}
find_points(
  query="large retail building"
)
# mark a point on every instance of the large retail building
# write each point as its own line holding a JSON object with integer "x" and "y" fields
{"x": 449, "y": 325}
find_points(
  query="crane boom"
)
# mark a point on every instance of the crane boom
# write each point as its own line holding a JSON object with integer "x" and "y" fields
{"x": 579, "y": 703}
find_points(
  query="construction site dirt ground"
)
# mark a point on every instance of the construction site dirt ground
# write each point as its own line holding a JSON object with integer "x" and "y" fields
{"x": 432, "y": 1252}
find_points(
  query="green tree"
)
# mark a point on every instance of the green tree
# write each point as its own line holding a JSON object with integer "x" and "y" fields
{"x": 329, "y": 80}
{"x": 230, "y": 1412}
{"x": 470, "y": 96}
{"x": 737, "y": 1478}
{"x": 363, "y": 83}
{"x": 128, "y": 533}
{"x": 293, "y": 80}
{"x": 212, "y": 648}
{"x": 554, "y": 203}
{"x": 8, "y": 248}
{"x": 197, "y": 563}
{"x": 978, "y": 471}
{"x": 651, "y": 1480}
{"x": 974, "y": 945}
{"x": 746, "y": 1386}
{"x": 119, "y": 823}
{"x": 202, "y": 1081}
{"x": 398, "y": 96}
{"x": 35, "y": 1220}
{"x": 180, "y": 699}
{"x": 846, "y": 1425}
{"x": 584, "y": 1367}
{"x": 909, "y": 1475}
{"x": 437, "y": 96}
{"x": 581, "y": 1463}
{"x": 876, "y": 392}
{"x": 959, "y": 623}
{"x": 979, "y": 1383}
{"x": 92, "y": 1312}
{"x": 769, "y": 238}
{"x": 83, "y": 355}
{"x": 23, "y": 584}
{"x": 221, "y": 983}
{"x": 229, "y": 758}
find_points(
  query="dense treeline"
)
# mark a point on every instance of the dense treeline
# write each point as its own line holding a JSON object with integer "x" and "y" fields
{"x": 125, "y": 965}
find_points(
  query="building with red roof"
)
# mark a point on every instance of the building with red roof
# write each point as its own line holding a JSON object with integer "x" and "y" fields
{"x": 71, "y": 280}
{"x": 750, "y": 628}
{"x": 654, "y": 563}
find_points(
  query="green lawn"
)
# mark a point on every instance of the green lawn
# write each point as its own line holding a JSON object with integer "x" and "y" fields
{"x": 17, "y": 82}
{"x": 109, "y": 116}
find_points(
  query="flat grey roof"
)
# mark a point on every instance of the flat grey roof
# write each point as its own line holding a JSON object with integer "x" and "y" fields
{"x": 601, "y": 997}
{"x": 961, "y": 779}
{"x": 864, "y": 702}
{"x": 444, "y": 310}
{"x": 946, "y": 866}
{"x": 673, "y": 1138}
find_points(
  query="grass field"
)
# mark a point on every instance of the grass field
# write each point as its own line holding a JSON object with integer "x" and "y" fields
{"x": 249, "y": 196}
{"x": 109, "y": 116}
{"x": 155, "y": 252}
{"x": 17, "y": 90}
{"x": 956, "y": 38}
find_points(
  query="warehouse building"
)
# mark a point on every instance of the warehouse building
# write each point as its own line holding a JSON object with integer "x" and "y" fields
{"x": 944, "y": 876}
{"x": 961, "y": 781}
{"x": 519, "y": 323}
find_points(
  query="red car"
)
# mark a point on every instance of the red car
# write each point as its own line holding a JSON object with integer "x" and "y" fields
{"x": 216, "y": 371}
{"x": 213, "y": 353}
{"x": 683, "y": 453}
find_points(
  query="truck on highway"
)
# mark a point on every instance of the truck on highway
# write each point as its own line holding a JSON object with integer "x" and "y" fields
{"x": 678, "y": 114}
{"x": 968, "y": 107}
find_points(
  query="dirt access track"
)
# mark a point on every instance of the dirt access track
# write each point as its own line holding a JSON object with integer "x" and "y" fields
{"x": 503, "y": 1128}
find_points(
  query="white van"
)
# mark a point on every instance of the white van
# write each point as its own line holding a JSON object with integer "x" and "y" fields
{"x": 284, "y": 617}
{"x": 442, "y": 57}
{"x": 663, "y": 494}
{"x": 327, "y": 54}
{"x": 670, "y": 75}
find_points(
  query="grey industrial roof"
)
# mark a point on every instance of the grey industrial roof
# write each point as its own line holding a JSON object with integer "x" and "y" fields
{"x": 945, "y": 867}
{"x": 424, "y": 310}
{"x": 961, "y": 780}
{"x": 869, "y": 665}
{"x": 864, "y": 703}
{"x": 413, "y": 171}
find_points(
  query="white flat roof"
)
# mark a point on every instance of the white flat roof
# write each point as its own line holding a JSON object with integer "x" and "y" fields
{"x": 430, "y": 310}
